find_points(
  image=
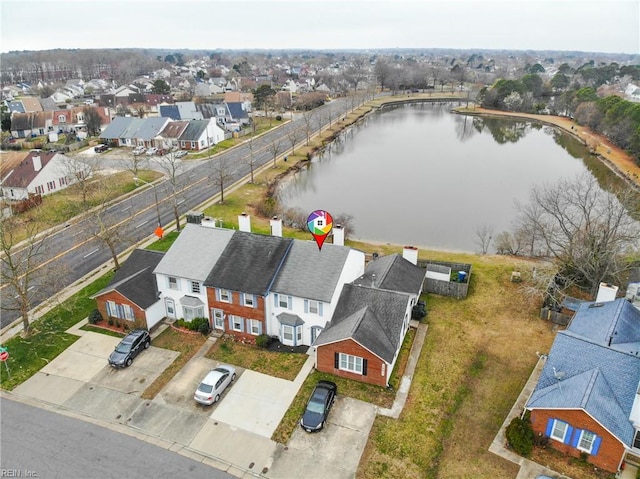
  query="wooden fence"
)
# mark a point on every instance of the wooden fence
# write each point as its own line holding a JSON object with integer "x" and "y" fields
{"x": 455, "y": 289}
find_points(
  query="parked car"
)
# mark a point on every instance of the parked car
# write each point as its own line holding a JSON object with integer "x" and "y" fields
{"x": 139, "y": 150}
{"x": 181, "y": 153}
{"x": 214, "y": 384}
{"x": 129, "y": 348}
{"x": 100, "y": 148}
{"x": 318, "y": 406}
{"x": 152, "y": 151}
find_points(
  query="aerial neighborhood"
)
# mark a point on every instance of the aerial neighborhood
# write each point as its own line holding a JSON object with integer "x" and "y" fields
{"x": 154, "y": 281}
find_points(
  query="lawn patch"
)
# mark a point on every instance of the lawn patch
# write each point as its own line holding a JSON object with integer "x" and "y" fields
{"x": 280, "y": 365}
{"x": 186, "y": 344}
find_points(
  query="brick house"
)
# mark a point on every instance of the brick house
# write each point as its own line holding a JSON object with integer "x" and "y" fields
{"x": 370, "y": 321}
{"x": 239, "y": 283}
{"x": 132, "y": 294}
{"x": 586, "y": 400}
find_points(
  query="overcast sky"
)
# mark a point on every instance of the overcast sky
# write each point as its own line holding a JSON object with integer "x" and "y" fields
{"x": 597, "y": 26}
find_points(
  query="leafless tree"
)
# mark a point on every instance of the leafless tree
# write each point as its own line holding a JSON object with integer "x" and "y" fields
{"x": 308, "y": 117}
{"x": 221, "y": 174}
{"x": 275, "y": 148}
{"x": 251, "y": 159}
{"x": 173, "y": 166}
{"x": 484, "y": 235}
{"x": 382, "y": 70}
{"x": 587, "y": 229}
{"x": 81, "y": 172}
{"x": 294, "y": 137}
{"x": 22, "y": 266}
{"x": 133, "y": 163}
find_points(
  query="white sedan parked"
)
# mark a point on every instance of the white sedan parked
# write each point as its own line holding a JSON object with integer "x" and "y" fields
{"x": 152, "y": 151}
{"x": 214, "y": 384}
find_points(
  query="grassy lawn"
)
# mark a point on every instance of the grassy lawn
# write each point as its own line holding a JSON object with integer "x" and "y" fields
{"x": 108, "y": 332}
{"x": 346, "y": 387}
{"x": 164, "y": 243}
{"x": 278, "y": 364}
{"x": 186, "y": 344}
{"x": 478, "y": 353}
{"x": 28, "y": 355}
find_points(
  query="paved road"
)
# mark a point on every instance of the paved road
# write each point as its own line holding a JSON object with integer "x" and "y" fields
{"x": 73, "y": 251}
{"x": 43, "y": 444}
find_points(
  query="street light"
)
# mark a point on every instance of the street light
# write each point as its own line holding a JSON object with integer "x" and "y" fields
{"x": 155, "y": 193}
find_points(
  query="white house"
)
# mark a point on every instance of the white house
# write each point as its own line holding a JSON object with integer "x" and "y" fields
{"x": 307, "y": 289}
{"x": 184, "y": 268}
{"x": 39, "y": 173}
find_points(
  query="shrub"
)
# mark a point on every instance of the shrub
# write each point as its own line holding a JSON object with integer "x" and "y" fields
{"x": 520, "y": 435}
{"x": 196, "y": 323}
{"x": 263, "y": 341}
{"x": 204, "y": 328}
{"x": 95, "y": 316}
{"x": 278, "y": 117}
{"x": 110, "y": 321}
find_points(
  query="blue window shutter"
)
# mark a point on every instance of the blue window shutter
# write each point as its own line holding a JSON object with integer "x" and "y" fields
{"x": 567, "y": 437}
{"x": 596, "y": 445}
{"x": 549, "y": 429}
{"x": 275, "y": 299}
{"x": 242, "y": 328}
{"x": 242, "y": 299}
{"x": 306, "y": 305}
{"x": 217, "y": 294}
{"x": 231, "y": 322}
{"x": 319, "y": 308}
{"x": 289, "y": 302}
{"x": 255, "y": 300}
{"x": 259, "y": 327}
{"x": 247, "y": 325}
{"x": 576, "y": 437}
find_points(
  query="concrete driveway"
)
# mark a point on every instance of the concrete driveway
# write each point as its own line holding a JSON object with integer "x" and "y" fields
{"x": 315, "y": 455}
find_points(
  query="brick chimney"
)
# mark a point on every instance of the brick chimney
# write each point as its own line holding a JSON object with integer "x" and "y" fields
{"x": 244, "y": 222}
{"x": 338, "y": 235}
{"x": 410, "y": 253}
{"x": 276, "y": 226}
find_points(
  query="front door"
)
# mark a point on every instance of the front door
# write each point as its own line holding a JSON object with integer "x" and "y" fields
{"x": 315, "y": 331}
{"x": 171, "y": 308}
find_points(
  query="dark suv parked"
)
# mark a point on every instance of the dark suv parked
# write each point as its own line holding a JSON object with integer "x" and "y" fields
{"x": 129, "y": 347}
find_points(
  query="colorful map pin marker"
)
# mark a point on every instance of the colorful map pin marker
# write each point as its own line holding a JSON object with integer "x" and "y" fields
{"x": 320, "y": 224}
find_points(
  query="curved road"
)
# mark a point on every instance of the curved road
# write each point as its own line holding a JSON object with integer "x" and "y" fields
{"x": 73, "y": 251}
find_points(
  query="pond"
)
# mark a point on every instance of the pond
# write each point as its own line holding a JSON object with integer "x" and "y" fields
{"x": 421, "y": 175}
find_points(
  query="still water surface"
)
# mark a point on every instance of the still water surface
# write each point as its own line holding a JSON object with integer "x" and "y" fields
{"x": 419, "y": 175}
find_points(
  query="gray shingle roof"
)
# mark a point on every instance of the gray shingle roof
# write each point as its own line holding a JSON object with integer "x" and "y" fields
{"x": 194, "y": 131}
{"x": 372, "y": 317}
{"x": 150, "y": 128}
{"x": 195, "y": 252}
{"x": 290, "y": 319}
{"x": 394, "y": 273}
{"x": 598, "y": 379}
{"x": 135, "y": 279}
{"x": 117, "y": 128}
{"x": 249, "y": 263}
{"x": 310, "y": 273}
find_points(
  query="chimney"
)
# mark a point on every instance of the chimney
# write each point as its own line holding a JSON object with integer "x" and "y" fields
{"x": 606, "y": 292}
{"x": 208, "y": 222}
{"x": 37, "y": 163}
{"x": 410, "y": 253}
{"x": 276, "y": 226}
{"x": 244, "y": 222}
{"x": 338, "y": 235}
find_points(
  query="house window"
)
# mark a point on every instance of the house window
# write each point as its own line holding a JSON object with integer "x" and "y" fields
{"x": 249, "y": 300}
{"x": 350, "y": 363}
{"x": 218, "y": 318}
{"x": 173, "y": 282}
{"x": 559, "y": 430}
{"x": 255, "y": 327}
{"x": 120, "y": 311}
{"x": 195, "y": 287}
{"x": 225, "y": 295}
{"x": 236, "y": 323}
{"x": 313, "y": 307}
{"x": 299, "y": 334}
{"x": 191, "y": 313}
{"x": 51, "y": 185}
{"x": 585, "y": 443}
{"x": 287, "y": 332}
{"x": 283, "y": 301}
{"x": 39, "y": 190}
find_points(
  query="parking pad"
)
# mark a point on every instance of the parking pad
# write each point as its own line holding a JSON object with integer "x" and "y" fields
{"x": 180, "y": 390}
{"x": 167, "y": 422}
{"x": 256, "y": 403}
{"x": 146, "y": 368}
{"x": 49, "y": 387}
{"x": 103, "y": 403}
{"x": 234, "y": 445}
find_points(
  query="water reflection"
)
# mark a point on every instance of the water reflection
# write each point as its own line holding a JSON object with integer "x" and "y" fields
{"x": 421, "y": 175}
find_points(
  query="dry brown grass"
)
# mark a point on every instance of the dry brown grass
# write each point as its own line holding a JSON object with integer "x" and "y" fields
{"x": 477, "y": 356}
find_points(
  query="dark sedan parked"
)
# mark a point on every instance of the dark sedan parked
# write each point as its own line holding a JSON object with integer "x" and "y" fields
{"x": 318, "y": 406}
{"x": 129, "y": 348}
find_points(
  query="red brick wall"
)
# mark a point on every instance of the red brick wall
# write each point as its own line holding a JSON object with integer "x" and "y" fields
{"x": 236, "y": 308}
{"x": 611, "y": 450}
{"x": 326, "y": 362}
{"x": 119, "y": 299}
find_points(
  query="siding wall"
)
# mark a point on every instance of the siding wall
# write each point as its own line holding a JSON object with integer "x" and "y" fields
{"x": 325, "y": 361}
{"x": 611, "y": 450}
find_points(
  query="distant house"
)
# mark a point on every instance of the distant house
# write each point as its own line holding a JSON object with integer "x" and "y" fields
{"x": 132, "y": 294}
{"x": 201, "y": 134}
{"x": 39, "y": 173}
{"x": 370, "y": 321}
{"x": 586, "y": 399}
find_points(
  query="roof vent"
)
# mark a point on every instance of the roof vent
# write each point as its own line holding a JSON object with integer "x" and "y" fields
{"x": 596, "y": 305}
